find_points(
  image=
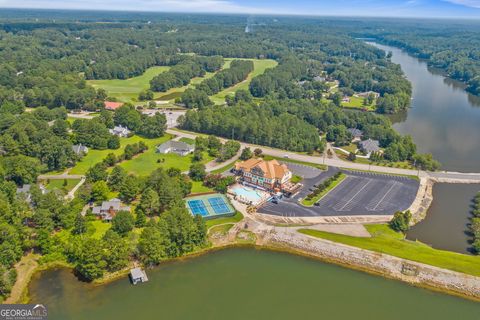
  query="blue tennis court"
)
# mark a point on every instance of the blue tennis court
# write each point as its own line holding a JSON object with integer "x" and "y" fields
{"x": 219, "y": 205}
{"x": 197, "y": 207}
{"x": 209, "y": 205}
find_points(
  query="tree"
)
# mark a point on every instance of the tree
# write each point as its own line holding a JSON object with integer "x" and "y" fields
{"x": 128, "y": 117}
{"x": 246, "y": 154}
{"x": 89, "y": 260}
{"x": 116, "y": 178}
{"x": 123, "y": 223}
{"x": 197, "y": 171}
{"x": 153, "y": 127}
{"x": 401, "y": 221}
{"x": 117, "y": 251}
{"x": 197, "y": 155}
{"x": 425, "y": 162}
{"x": 257, "y": 152}
{"x": 140, "y": 219}
{"x": 129, "y": 188}
{"x": 80, "y": 225}
{"x": 100, "y": 191}
{"x": 97, "y": 173}
{"x": 149, "y": 202}
{"x": 21, "y": 169}
{"x": 151, "y": 245}
{"x": 352, "y": 157}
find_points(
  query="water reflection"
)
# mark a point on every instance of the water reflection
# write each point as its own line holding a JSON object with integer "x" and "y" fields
{"x": 443, "y": 119}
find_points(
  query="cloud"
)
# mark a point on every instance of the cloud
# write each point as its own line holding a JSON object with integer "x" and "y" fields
{"x": 466, "y": 3}
{"x": 143, "y": 5}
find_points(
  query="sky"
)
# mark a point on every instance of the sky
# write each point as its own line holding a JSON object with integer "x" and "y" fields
{"x": 375, "y": 8}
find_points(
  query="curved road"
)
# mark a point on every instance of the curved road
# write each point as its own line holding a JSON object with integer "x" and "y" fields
{"x": 444, "y": 176}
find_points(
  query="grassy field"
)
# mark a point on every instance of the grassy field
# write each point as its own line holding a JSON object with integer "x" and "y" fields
{"x": 127, "y": 90}
{"x": 95, "y": 156}
{"x": 357, "y": 103}
{"x": 58, "y": 184}
{"x": 387, "y": 241}
{"x": 260, "y": 65}
{"x": 198, "y": 187}
{"x": 233, "y": 219}
{"x": 332, "y": 186}
{"x": 142, "y": 164}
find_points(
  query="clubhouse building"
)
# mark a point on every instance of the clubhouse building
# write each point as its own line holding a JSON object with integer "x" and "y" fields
{"x": 270, "y": 175}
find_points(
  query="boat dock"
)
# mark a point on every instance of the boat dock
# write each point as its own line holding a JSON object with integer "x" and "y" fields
{"x": 137, "y": 275}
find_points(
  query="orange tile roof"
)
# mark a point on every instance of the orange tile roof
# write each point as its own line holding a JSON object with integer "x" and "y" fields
{"x": 272, "y": 169}
{"x": 111, "y": 105}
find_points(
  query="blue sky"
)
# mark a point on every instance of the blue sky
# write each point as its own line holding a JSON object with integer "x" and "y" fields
{"x": 403, "y": 8}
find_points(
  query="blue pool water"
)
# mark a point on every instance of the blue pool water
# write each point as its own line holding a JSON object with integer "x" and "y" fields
{"x": 247, "y": 193}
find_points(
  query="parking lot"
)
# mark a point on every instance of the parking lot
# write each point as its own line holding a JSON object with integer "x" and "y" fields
{"x": 360, "y": 193}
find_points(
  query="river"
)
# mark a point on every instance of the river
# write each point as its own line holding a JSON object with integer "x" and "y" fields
{"x": 246, "y": 284}
{"x": 444, "y": 119}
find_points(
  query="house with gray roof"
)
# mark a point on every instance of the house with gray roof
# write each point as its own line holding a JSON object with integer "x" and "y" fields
{"x": 368, "y": 146}
{"x": 356, "y": 133}
{"x": 108, "y": 209}
{"x": 179, "y": 147}
{"x": 25, "y": 191}
{"x": 120, "y": 131}
{"x": 79, "y": 149}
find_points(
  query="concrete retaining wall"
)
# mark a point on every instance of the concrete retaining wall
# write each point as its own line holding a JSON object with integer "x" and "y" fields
{"x": 392, "y": 267}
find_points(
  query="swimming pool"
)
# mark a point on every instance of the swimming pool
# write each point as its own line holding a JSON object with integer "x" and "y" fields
{"x": 249, "y": 194}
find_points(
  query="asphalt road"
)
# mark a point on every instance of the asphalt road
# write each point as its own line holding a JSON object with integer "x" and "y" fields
{"x": 458, "y": 177}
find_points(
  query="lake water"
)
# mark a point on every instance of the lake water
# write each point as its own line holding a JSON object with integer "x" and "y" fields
{"x": 246, "y": 284}
{"x": 447, "y": 219}
{"x": 444, "y": 119}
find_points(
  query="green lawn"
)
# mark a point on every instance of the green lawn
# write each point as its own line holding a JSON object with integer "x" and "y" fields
{"x": 296, "y": 179}
{"x": 58, "y": 184}
{"x": 198, "y": 187}
{"x": 174, "y": 93}
{"x": 332, "y": 186}
{"x": 260, "y": 65}
{"x": 188, "y": 140}
{"x": 357, "y": 103}
{"x": 233, "y": 219}
{"x": 127, "y": 90}
{"x": 387, "y": 241}
{"x": 95, "y": 156}
{"x": 100, "y": 228}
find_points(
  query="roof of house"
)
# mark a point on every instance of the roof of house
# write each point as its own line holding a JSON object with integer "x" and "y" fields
{"x": 119, "y": 129}
{"x": 136, "y": 273}
{"x": 271, "y": 169}
{"x": 370, "y": 145}
{"x": 114, "y": 204}
{"x": 355, "y": 132}
{"x": 176, "y": 145}
{"x": 111, "y": 105}
{"x": 24, "y": 189}
{"x": 78, "y": 148}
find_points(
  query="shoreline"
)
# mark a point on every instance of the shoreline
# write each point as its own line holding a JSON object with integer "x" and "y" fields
{"x": 281, "y": 245}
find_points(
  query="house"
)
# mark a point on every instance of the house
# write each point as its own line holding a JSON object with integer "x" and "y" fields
{"x": 179, "y": 147}
{"x": 268, "y": 175}
{"x": 319, "y": 79}
{"x": 137, "y": 275}
{"x": 120, "y": 131}
{"x": 80, "y": 149}
{"x": 368, "y": 146}
{"x": 356, "y": 133}
{"x": 108, "y": 209}
{"x": 111, "y": 105}
{"x": 346, "y": 99}
{"x": 25, "y": 191}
